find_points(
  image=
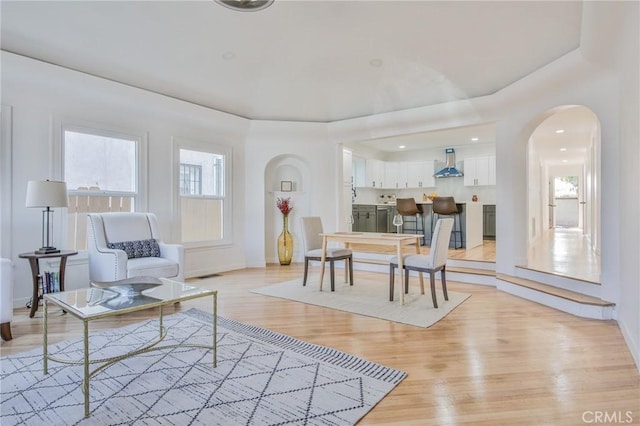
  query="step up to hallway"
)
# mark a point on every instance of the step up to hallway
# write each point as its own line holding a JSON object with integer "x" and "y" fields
{"x": 459, "y": 272}
{"x": 573, "y": 302}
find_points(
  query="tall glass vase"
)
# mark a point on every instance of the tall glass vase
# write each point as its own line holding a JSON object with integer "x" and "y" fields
{"x": 285, "y": 243}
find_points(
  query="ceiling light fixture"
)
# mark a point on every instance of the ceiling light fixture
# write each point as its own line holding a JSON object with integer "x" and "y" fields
{"x": 375, "y": 62}
{"x": 560, "y": 131}
{"x": 563, "y": 149}
{"x": 228, "y": 55}
{"x": 246, "y": 5}
{"x": 565, "y": 161}
{"x": 402, "y": 146}
{"x": 475, "y": 139}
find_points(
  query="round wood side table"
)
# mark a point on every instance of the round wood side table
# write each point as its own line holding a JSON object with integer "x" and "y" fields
{"x": 34, "y": 259}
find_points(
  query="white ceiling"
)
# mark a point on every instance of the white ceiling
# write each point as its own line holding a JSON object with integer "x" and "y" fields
{"x": 314, "y": 60}
{"x": 445, "y": 138}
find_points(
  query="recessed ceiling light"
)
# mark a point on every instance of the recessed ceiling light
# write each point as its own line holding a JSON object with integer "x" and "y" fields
{"x": 228, "y": 55}
{"x": 560, "y": 131}
{"x": 475, "y": 139}
{"x": 563, "y": 149}
{"x": 565, "y": 161}
{"x": 375, "y": 62}
{"x": 246, "y": 5}
{"x": 402, "y": 146}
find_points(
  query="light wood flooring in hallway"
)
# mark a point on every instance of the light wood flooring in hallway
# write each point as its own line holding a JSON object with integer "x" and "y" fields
{"x": 495, "y": 360}
{"x": 566, "y": 252}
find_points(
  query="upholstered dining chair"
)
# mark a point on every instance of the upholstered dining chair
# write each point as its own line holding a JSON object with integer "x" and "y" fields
{"x": 312, "y": 241}
{"x": 435, "y": 261}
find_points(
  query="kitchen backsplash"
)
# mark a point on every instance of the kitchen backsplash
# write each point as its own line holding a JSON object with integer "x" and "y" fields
{"x": 445, "y": 187}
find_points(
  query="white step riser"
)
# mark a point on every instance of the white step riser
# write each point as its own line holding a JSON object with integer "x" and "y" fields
{"x": 471, "y": 278}
{"x": 576, "y": 286}
{"x": 574, "y": 308}
{"x": 484, "y": 266}
{"x": 451, "y": 276}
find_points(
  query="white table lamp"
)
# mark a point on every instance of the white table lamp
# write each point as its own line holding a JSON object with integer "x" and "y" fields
{"x": 47, "y": 193}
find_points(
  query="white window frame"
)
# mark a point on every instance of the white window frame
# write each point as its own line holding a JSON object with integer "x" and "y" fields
{"x": 141, "y": 154}
{"x": 227, "y": 217}
{"x": 100, "y": 129}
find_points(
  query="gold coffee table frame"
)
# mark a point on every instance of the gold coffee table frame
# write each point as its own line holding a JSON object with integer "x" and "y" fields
{"x": 93, "y": 303}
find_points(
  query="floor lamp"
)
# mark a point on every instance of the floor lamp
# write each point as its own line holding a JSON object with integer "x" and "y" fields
{"x": 47, "y": 194}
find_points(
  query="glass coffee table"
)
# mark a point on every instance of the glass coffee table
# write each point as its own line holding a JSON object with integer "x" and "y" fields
{"x": 104, "y": 300}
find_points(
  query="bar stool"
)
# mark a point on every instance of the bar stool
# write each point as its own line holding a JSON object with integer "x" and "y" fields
{"x": 446, "y": 206}
{"x": 408, "y": 207}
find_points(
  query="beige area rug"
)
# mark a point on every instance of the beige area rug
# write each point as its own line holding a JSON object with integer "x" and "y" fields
{"x": 371, "y": 298}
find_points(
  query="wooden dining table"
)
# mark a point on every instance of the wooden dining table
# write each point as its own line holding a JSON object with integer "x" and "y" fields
{"x": 373, "y": 238}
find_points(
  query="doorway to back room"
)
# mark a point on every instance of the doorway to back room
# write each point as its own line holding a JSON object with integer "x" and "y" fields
{"x": 565, "y": 204}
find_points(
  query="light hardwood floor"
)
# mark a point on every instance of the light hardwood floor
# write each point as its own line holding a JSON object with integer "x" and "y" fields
{"x": 566, "y": 252}
{"x": 496, "y": 359}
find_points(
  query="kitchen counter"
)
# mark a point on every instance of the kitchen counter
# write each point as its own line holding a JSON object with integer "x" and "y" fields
{"x": 471, "y": 221}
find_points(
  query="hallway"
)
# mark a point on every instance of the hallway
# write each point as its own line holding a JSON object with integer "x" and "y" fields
{"x": 565, "y": 251}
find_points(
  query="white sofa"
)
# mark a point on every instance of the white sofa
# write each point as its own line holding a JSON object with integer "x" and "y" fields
{"x": 6, "y": 298}
{"x": 120, "y": 246}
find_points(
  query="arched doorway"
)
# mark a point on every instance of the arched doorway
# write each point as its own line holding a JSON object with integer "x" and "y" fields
{"x": 564, "y": 200}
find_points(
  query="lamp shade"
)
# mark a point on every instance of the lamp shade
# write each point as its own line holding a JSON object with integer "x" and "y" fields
{"x": 47, "y": 193}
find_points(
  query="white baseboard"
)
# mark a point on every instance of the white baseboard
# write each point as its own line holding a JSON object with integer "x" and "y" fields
{"x": 632, "y": 343}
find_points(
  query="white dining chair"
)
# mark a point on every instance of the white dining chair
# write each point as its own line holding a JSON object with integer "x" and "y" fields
{"x": 435, "y": 261}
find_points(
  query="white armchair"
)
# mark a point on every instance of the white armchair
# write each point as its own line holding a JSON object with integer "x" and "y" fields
{"x": 6, "y": 298}
{"x": 121, "y": 245}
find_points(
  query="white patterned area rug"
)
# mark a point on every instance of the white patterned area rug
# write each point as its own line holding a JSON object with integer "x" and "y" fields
{"x": 262, "y": 378}
{"x": 370, "y": 298}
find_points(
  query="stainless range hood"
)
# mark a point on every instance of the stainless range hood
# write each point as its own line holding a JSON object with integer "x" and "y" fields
{"x": 449, "y": 169}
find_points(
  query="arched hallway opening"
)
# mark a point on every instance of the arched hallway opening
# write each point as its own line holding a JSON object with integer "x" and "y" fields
{"x": 563, "y": 198}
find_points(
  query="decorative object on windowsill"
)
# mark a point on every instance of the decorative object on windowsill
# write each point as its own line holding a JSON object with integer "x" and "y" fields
{"x": 474, "y": 198}
{"x": 285, "y": 240}
{"x": 47, "y": 193}
{"x": 286, "y": 186}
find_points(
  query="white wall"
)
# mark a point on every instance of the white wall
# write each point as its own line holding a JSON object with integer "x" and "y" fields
{"x": 612, "y": 39}
{"x": 269, "y": 141}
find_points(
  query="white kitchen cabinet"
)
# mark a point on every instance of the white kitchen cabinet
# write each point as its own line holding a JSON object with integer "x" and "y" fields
{"x": 359, "y": 172}
{"x": 492, "y": 170}
{"x": 371, "y": 173}
{"x": 480, "y": 171}
{"x": 419, "y": 174}
{"x": 374, "y": 172}
{"x": 395, "y": 174}
{"x": 347, "y": 166}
